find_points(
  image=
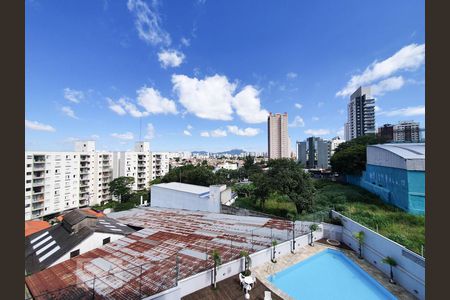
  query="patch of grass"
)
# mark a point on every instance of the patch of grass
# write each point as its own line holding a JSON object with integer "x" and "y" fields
{"x": 355, "y": 203}
{"x": 116, "y": 206}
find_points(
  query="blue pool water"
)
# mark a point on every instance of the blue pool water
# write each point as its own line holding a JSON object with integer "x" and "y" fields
{"x": 329, "y": 275}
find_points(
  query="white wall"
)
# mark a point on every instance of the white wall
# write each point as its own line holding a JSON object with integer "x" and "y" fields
{"x": 410, "y": 272}
{"x": 169, "y": 198}
{"x": 92, "y": 242}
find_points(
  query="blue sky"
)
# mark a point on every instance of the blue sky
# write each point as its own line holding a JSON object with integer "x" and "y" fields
{"x": 202, "y": 75}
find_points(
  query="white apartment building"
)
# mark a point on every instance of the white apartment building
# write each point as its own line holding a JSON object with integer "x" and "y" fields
{"x": 59, "y": 181}
{"x": 160, "y": 164}
{"x": 279, "y": 143}
{"x": 406, "y": 131}
{"x": 334, "y": 143}
{"x": 361, "y": 114}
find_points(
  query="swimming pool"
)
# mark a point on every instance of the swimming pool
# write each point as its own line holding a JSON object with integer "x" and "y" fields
{"x": 329, "y": 275}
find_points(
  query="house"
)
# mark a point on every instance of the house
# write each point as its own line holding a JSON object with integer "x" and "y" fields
{"x": 78, "y": 233}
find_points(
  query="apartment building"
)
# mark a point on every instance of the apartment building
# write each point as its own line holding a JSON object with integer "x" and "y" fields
{"x": 334, "y": 143}
{"x": 59, "y": 181}
{"x": 406, "y": 132}
{"x": 361, "y": 114}
{"x": 314, "y": 153}
{"x": 278, "y": 139}
{"x": 160, "y": 164}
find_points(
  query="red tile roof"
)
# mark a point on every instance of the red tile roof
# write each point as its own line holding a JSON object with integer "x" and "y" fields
{"x": 33, "y": 226}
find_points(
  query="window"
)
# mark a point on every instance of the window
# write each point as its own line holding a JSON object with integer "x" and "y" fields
{"x": 28, "y": 165}
{"x": 28, "y": 189}
{"x": 28, "y": 173}
{"x": 75, "y": 253}
{"x": 106, "y": 241}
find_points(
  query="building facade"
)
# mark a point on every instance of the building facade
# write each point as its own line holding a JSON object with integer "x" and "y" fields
{"x": 314, "y": 153}
{"x": 386, "y": 132}
{"x": 396, "y": 173}
{"x": 59, "y": 181}
{"x": 278, "y": 138}
{"x": 334, "y": 143}
{"x": 361, "y": 114}
{"x": 406, "y": 132}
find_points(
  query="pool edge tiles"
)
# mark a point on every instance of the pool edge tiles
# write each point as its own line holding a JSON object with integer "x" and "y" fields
{"x": 365, "y": 283}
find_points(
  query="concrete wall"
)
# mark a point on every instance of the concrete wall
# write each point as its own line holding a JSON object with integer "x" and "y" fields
{"x": 201, "y": 280}
{"x": 169, "y": 198}
{"x": 410, "y": 272}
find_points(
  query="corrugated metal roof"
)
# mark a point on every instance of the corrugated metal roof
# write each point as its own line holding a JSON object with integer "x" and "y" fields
{"x": 405, "y": 150}
{"x": 408, "y": 156}
{"x": 167, "y": 233}
{"x": 183, "y": 187}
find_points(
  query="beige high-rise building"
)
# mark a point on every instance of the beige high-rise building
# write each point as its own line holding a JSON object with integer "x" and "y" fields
{"x": 277, "y": 129}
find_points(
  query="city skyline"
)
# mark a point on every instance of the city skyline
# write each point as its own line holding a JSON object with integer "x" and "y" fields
{"x": 195, "y": 79}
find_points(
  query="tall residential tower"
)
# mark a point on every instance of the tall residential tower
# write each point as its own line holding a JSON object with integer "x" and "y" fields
{"x": 277, "y": 129}
{"x": 361, "y": 114}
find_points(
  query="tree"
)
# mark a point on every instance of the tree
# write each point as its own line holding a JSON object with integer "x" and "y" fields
{"x": 312, "y": 228}
{"x": 392, "y": 263}
{"x": 262, "y": 187}
{"x": 350, "y": 157}
{"x": 217, "y": 262}
{"x": 247, "y": 262}
{"x": 199, "y": 175}
{"x": 121, "y": 188}
{"x": 359, "y": 236}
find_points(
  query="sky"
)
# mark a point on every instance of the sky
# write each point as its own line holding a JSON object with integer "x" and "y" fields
{"x": 203, "y": 74}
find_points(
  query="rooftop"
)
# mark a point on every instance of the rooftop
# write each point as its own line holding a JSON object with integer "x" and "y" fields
{"x": 144, "y": 262}
{"x": 184, "y": 187}
{"x": 405, "y": 150}
{"x": 33, "y": 226}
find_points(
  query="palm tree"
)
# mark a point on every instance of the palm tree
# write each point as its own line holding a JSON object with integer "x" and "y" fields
{"x": 274, "y": 244}
{"x": 217, "y": 261}
{"x": 313, "y": 227}
{"x": 247, "y": 262}
{"x": 392, "y": 263}
{"x": 360, "y": 237}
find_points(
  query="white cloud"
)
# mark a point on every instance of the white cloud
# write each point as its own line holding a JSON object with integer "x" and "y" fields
{"x": 405, "y": 112}
{"x": 298, "y": 105}
{"x": 214, "y": 133}
{"x": 208, "y": 98}
{"x": 123, "y": 136}
{"x": 298, "y": 122}
{"x": 150, "y": 132}
{"x": 147, "y": 22}
{"x": 116, "y": 107}
{"x": 291, "y": 75}
{"x": 131, "y": 108}
{"x": 73, "y": 95}
{"x": 408, "y": 58}
{"x": 189, "y": 127}
{"x": 248, "y": 106}
{"x": 316, "y": 132}
{"x": 94, "y": 136}
{"x": 386, "y": 85}
{"x": 170, "y": 58}
{"x": 68, "y": 112}
{"x": 187, "y": 132}
{"x": 34, "y": 125}
{"x": 377, "y": 108}
{"x": 243, "y": 132}
{"x": 212, "y": 98}
{"x": 315, "y": 118}
{"x": 154, "y": 103}
{"x": 186, "y": 42}
{"x": 204, "y": 134}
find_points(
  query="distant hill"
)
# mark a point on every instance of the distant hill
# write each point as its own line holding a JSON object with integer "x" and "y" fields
{"x": 230, "y": 152}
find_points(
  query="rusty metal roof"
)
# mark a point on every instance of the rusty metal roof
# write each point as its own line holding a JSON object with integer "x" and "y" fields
{"x": 144, "y": 263}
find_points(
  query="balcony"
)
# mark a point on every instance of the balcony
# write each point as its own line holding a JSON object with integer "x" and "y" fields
{"x": 38, "y": 182}
{"x": 38, "y": 167}
{"x": 37, "y": 206}
{"x": 37, "y": 199}
{"x": 38, "y": 174}
{"x": 38, "y": 190}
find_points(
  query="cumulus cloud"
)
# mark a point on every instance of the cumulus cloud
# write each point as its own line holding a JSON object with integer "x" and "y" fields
{"x": 185, "y": 41}
{"x": 148, "y": 22}
{"x": 187, "y": 132}
{"x": 73, "y": 95}
{"x": 405, "y": 112}
{"x": 243, "y": 132}
{"x": 154, "y": 103}
{"x": 34, "y": 125}
{"x": 248, "y": 106}
{"x": 298, "y": 122}
{"x": 298, "y": 105}
{"x": 204, "y": 134}
{"x": 189, "y": 127}
{"x": 291, "y": 75}
{"x": 131, "y": 108}
{"x": 213, "y": 98}
{"x": 408, "y": 58}
{"x": 386, "y": 85}
{"x": 316, "y": 132}
{"x": 208, "y": 98}
{"x": 170, "y": 58}
{"x": 150, "y": 132}
{"x": 214, "y": 133}
{"x": 117, "y": 108}
{"x": 68, "y": 112}
{"x": 123, "y": 136}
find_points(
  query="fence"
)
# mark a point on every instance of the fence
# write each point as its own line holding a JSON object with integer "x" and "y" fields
{"x": 185, "y": 272}
{"x": 410, "y": 271}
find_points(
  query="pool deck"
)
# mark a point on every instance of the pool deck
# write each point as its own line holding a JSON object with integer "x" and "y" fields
{"x": 285, "y": 261}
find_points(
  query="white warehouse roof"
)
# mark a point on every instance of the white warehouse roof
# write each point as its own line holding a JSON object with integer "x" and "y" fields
{"x": 184, "y": 187}
{"x": 409, "y": 156}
